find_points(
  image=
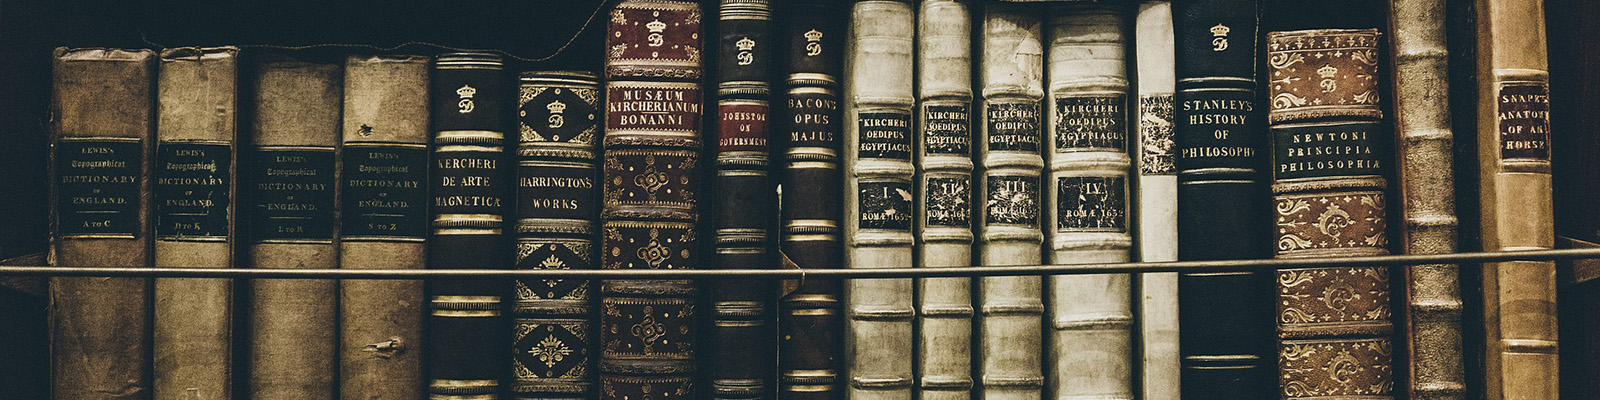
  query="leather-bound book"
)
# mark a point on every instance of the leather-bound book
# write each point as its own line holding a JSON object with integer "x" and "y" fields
{"x": 1515, "y": 202}
{"x": 651, "y": 196}
{"x": 1086, "y": 201}
{"x": 194, "y": 196}
{"x": 812, "y": 34}
{"x": 1155, "y": 215}
{"x": 558, "y": 203}
{"x": 383, "y": 216}
{"x": 289, "y": 173}
{"x": 470, "y": 183}
{"x": 1227, "y": 317}
{"x": 944, "y": 193}
{"x": 741, "y": 349}
{"x": 879, "y": 197}
{"x": 1328, "y": 190}
{"x": 102, "y": 128}
{"x": 1431, "y": 294}
{"x": 1576, "y": 174}
{"x": 1011, "y": 308}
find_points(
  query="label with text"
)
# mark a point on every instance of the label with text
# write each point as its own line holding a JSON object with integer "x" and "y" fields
{"x": 885, "y": 135}
{"x": 97, "y": 187}
{"x": 1155, "y": 135}
{"x": 291, "y": 194}
{"x": 562, "y": 191}
{"x": 1215, "y": 130}
{"x": 1523, "y": 109}
{"x": 384, "y": 195}
{"x": 468, "y": 182}
{"x": 1013, "y": 126}
{"x": 1092, "y": 122}
{"x": 659, "y": 106}
{"x": 192, "y": 190}
{"x": 885, "y": 205}
{"x": 949, "y": 201}
{"x": 1312, "y": 151}
{"x": 1012, "y": 200}
{"x": 1091, "y": 204}
{"x": 743, "y": 126}
{"x": 947, "y": 128}
{"x": 813, "y": 119}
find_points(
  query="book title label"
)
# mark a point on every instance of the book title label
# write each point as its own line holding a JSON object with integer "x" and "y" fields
{"x": 743, "y": 126}
{"x": 1217, "y": 130}
{"x": 1013, "y": 125}
{"x": 192, "y": 190}
{"x": 1012, "y": 200}
{"x": 1091, "y": 204}
{"x": 559, "y": 190}
{"x": 813, "y": 113}
{"x": 469, "y": 188}
{"x": 1091, "y": 122}
{"x": 653, "y": 106}
{"x": 947, "y": 128}
{"x": 885, "y": 135}
{"x": 948, "y": 200}
{"x": 1155, "y": 135}
{"x": 97, "y": 187}
{"x": 384, "y": 195}
{"x": 1327, "y": 150}
{"x": 291, "y": 194}
{"x": 1523, "y": 108}
{"x": 885, "y": 205}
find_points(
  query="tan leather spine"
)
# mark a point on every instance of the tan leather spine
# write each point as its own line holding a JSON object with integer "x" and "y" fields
{"x": 1519, "y": 297}
{"x": 99, "y": 326}
{"x": 193, "y": 336}
{"x": 1432, "y": 293}
{"x": 385, "y": 101}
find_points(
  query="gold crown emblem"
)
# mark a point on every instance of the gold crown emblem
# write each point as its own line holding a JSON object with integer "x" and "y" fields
{"x": 656, "y": 26}
{"x": 745, "y": 44}
{"x": 1327, "y": 71}
{"x": 1220, "y": 30}
{"x": 556, "y": 107}
{"x": 466, "y": 91}
{"x": 813, "y": 36}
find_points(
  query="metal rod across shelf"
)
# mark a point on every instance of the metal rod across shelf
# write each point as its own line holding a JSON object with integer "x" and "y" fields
{"x": 1181, "y": 266}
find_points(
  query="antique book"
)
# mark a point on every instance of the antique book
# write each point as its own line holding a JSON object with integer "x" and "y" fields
{"x": 1156, "y": 200}
{"x": 1085, "y": 198}
{"x": 289, "y": 169}
{"x": 1010, "y": 308}
{"x": 811, "y": 325}
{"x": 194, "y": 195}
{"x": 1514, "y": 186}
{"x": 741, "y": 348}
{"x": 1431, "y": 319}
{"x": 1328, "y": 191}
{"x": 878, "y": 197}
{"x": 944, "y": 192}
{"x": 1576, "y": 172}
{"x": 466, "y": 337}
{"x": 651, "y": 190}
{"x": 1227, "y": 317}
{"x": 102, "y": 127}
{"x": 552, "y": 332}
{"x": 383, "y": 224}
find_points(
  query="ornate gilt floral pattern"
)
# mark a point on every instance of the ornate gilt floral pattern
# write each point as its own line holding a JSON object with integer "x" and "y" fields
{"x": 649, "y": 178}
{"x": 1330, "y": 295}
{"x": 551, "y": 349}
{"x": 641, "y": 388}
{"x": 657, "y": 327}
{"x": 1318, "y": 221}
{"x": 1328, "y": 368}
{"x": 1323, "y": 73}
{"x": 654, "y": 39}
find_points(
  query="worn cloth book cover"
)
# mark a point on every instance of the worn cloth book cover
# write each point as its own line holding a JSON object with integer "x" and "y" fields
{"x": 651, "y": 176}
{"x": 289, "y": 174}
{"x": 102, "y": 136}
{"x": 194, "y": 199}
{"x": 383, "y": 217}
{"x": 1010, "y": 153}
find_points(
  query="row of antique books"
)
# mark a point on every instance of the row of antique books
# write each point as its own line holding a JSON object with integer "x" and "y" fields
{"x": 825, "y": 134}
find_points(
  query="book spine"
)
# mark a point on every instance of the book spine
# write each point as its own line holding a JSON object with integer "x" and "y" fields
{"x": 1329, "y": 196}
{"x": 466, "y": 333}
{"x": 651, "y": 186}
{"x": 194, "y": 198}
{"x": 102, "y": 136}
{"x": 1519, "y": 297}
{"x": 811, "y": 326}
{"x": 1156, "y": 200}
{"x": 1011, "y": 308}
{"x": 557, "y": 210}
{"x": 1432, "y": 292}
{"x": 1086, "y": 192}
{"x": 291, "y": 205}
{"x": 746, "y": 199}
{"x": 383, "y": 217}
{"x": 944, "y": 189}
{"x": 1227, "y": 343}
{"x": 878, "y": 197}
